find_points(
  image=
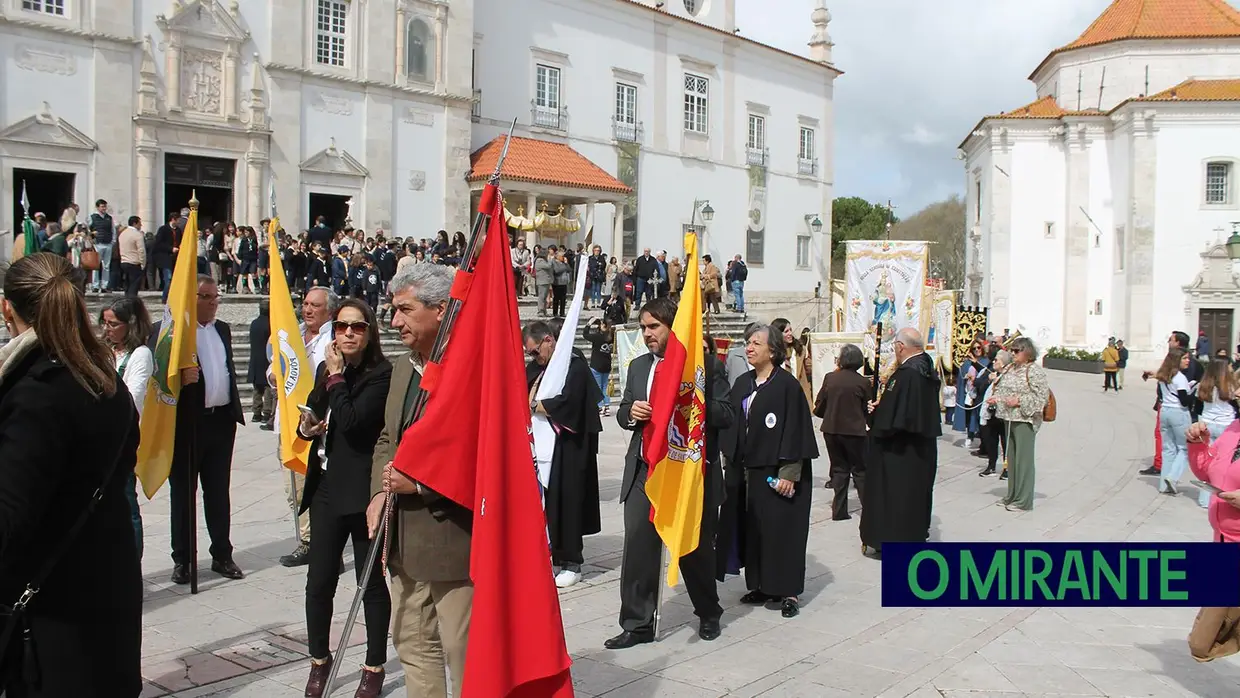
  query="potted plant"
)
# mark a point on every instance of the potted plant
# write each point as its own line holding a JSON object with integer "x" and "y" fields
{"x": 1078, "y": 360}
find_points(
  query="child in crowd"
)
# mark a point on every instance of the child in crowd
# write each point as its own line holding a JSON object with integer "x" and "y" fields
{"x": 949, "y": 398}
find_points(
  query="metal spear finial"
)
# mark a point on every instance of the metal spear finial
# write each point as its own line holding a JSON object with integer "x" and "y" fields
{"x": 271, "y": 192}
{"x": 25, "y": 201}
{"x": 193, "y": 200}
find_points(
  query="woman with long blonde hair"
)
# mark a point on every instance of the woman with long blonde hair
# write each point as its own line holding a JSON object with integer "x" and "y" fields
{"x": 62, "y": 505}
{"x": 1218, "y": 406}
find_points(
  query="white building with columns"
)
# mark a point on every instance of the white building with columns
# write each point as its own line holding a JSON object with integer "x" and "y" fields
{"x": 670, "y": 100}
{"x": 1098, "y": 209}
{"x": 357, "y": 108}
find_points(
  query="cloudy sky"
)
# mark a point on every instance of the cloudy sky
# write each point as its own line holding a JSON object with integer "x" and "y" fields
{"x": 918, "y": 76}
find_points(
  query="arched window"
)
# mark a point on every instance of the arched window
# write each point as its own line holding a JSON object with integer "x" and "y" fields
{"x": 419, "y": 50}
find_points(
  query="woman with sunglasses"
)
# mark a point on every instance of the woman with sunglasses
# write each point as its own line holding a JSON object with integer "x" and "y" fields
{"x": 347, "y": 402}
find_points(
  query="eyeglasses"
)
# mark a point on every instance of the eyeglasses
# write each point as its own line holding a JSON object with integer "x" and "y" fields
{"x": 113, "y": 325}
{"x": 358, "y": 327}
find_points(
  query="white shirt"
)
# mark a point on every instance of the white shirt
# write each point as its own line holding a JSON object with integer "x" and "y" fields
{"x": 316, "y": 353}
{"x": 1218, "y": 412}
{"x": 1170, "y": 398}
{"x": 138, "y": 371}
{"x": 213, "y": 359}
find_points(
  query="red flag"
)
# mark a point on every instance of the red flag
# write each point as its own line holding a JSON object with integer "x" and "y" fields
{"x": 472, "y": 444}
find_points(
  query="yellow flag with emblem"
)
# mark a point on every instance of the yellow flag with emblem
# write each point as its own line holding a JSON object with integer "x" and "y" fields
{"x": 287, "y": 351}
{"x": 175, "y": 349}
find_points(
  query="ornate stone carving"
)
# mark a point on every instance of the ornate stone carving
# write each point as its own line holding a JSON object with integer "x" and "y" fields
{"x": 332, "y": 104}
{"x": 418, "y": 117}
{"x": 201, "y": 81}
{"x": 417, "y": 180}
{"x": 45, "y": 60}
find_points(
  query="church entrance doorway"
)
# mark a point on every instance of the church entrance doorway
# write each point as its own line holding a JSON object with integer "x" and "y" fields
{"x": 210, "y": 179}
{"x": 50, "y": 193}
{"x": 333, "y": 207}
{"x": 1217, "y": 324}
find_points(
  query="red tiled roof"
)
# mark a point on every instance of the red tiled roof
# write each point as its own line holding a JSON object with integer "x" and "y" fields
{"x": 1198, "y": 91}
{"x": 1158, "y": 19}
{"x": 542, "y": 162}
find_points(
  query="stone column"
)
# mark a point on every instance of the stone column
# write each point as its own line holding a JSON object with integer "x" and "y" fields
{"x": 402, "y": 34}
{"x": 254, "y": 181}
{"x": 1139, "y": 334}
{"x": 440, "y": 19}
{"x": 617, "y": 235}
{"x": 146, "y": 188}
{"x": 1076, "y": 238}
{"x": 531, "y": 202}
{"x": 230, "y": 81}
{"x": 172, "y": 73}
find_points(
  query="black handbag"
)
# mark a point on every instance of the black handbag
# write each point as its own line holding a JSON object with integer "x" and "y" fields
{"x": 19, "y": 665}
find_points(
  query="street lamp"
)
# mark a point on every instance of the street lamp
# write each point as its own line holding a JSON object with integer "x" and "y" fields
{"x": 1233, "y": 242}
{"x": 708, "y": 213}
{"x": 814, "y": 222}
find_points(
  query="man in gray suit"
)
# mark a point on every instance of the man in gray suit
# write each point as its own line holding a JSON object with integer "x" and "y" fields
{"x": 641, "y": 567}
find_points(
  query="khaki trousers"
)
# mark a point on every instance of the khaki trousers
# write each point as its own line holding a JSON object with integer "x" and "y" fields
{"x": 293, "y": 488}
{"x": 430, "y": 622}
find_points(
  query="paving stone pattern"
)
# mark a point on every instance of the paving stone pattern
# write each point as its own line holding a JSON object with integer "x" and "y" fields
{"x": 247, "y": 638}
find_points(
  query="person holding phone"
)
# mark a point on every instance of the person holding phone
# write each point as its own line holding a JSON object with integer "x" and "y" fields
{"x": 343, "y": 420}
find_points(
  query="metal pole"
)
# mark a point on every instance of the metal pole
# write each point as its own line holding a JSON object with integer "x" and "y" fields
{"x": 658, "y": 600}
{"x": 419, "y": 405}
{"x": 192, "y": 450}
{"x": 294, "y": 504}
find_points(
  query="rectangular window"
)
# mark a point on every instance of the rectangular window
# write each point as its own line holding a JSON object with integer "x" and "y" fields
{"x": 697, "y": 92}
{"x": 626, "y": 104}
{"x": 1218, "y": 183}
{"x": 547, "y": 87}
{"x": 757, "y": 132}
{"x": 49, "y": 7}
{"x": 330, "y": 33}
{"x": 803, "y": 252}
{"x": 807, "y": 143}
{"x": 977, "y": 210}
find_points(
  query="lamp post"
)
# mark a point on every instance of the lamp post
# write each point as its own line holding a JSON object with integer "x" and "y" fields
{"x": 708, "y": 215}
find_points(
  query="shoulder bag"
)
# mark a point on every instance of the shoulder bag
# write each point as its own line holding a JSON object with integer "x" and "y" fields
{"x": 1048, "y": 410}
{"x": 19, "y": 663}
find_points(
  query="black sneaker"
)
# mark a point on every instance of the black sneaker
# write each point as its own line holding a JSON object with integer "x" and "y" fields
{"x": 297, "y": 558}
{"x": 1150, "y": 471}
{"x": 1003, "y": 476}
{"x": 987, "y": 472}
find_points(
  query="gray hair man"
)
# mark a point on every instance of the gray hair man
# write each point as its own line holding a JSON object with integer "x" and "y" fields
{"x": 432, "y": 595}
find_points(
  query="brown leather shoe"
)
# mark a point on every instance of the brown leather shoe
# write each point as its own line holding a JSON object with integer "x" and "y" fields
{"x": 371, "y": 685}
{"x": 316, "y": 685}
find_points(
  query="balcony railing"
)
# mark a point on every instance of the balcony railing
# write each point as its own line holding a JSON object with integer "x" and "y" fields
{"x": 475, "y": 111}
{"x": 555, "y": 118}
{"x": 807, "y": 166}
{"x": 625, "y": 132}
{"x": 756, "y": 156}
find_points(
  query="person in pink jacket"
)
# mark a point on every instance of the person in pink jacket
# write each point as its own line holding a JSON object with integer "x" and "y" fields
{"x": 1218, "y": 464}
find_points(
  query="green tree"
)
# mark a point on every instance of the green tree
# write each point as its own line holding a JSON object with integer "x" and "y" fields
{"x": 943, "y": 225}
{"x": 854, "y": 218}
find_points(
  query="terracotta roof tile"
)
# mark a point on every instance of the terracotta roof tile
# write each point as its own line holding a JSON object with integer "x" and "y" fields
{"x": 1198, "y": 91}
{"x": 1157, "y": 19}
{"x": 542, "y": 162}
{"x": 1044, "y": 108}
{"x": 1161, "y": 19}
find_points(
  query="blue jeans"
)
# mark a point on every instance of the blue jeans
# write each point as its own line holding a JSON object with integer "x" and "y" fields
{"x": 1173, "y": 422}
{"x": 596, "y": 291}
{"x": 135, "y": 514}
{"x": 101, "y": 278}
{"x": 738, "y": 291}
{"x": 165, "y": 276}
{"x": 601, "y": 379}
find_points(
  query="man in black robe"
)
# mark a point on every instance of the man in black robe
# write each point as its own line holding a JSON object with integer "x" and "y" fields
{"x": 642, "y": 564}
{"x": 572, "y": 499}
{"x": 903, "y": 451}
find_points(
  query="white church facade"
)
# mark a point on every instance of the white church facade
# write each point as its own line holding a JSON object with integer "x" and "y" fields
{"x": 1098, "y": 209}
{"x": 378, "y": 111}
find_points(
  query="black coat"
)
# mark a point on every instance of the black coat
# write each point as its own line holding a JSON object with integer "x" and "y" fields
{"x": 161, "y": 250}
{"x": 87, "y": 618}
{"x": 260, "y": 335}
{"x": 357, "y": 405}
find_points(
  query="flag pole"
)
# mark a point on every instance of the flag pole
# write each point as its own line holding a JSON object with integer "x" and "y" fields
{"x": 658, "y": 599}
{"x": 295, "y": 500}
{"x": 192, "y": 446}
{"x": 468, "y": 262}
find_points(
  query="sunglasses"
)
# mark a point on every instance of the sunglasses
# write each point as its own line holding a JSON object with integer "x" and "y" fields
{"x": 358, "y": 327}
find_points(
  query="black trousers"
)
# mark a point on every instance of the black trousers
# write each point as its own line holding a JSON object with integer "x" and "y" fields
{"x": 994, "y": 434}
{"x": 211, "y": 456}
{"x": 133, "y": 276}
{"x": 847, "y": 454}
{"x": 329, "y": 533}
{"x": 559, "y": 298}
{"x": 641, "y": 567}
{"x": 1108, "y": 380}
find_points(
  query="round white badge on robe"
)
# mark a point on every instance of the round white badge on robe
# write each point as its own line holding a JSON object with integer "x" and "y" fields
{"x": 770, "y": 420}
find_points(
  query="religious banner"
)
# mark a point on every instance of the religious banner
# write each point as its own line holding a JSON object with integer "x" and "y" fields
{"x": 755, "y": 233}
{"x": 629, "y": 346}
{"x": 884, "y": 282}
{"x": 967, "y": 323}
{"x": 825, "y": 348}
{"x": 939, "y": 334}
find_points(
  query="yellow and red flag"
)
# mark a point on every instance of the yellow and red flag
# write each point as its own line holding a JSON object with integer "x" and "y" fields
{"x": 672, "y": 441}
{"x": 288, "y": 360}
{"x": 175, "y": 349}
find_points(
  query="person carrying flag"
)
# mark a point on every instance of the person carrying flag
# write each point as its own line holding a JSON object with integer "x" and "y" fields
{"x": 641, "y": 567}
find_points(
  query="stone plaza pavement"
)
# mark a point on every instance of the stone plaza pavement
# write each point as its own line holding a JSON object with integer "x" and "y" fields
{"x": 246, "y": 638}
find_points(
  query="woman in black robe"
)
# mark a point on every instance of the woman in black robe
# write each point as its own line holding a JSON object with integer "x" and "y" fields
{"x": 769, "y": 481}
